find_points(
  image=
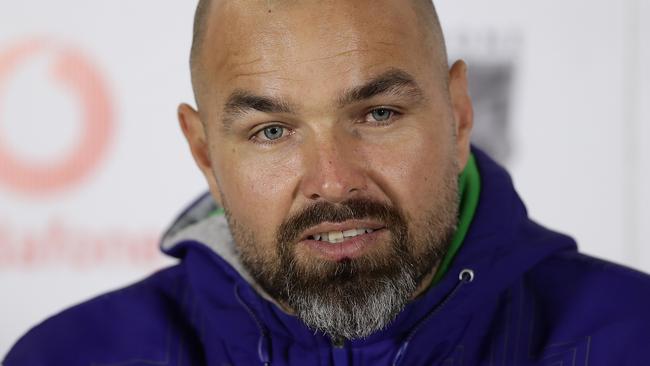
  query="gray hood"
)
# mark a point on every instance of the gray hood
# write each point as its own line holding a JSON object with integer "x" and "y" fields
{"x": 204, "y": 223}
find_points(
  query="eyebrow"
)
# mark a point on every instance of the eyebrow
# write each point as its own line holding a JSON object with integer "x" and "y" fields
{"x": 241, "y": 102}
{"x": 391, "y": 82}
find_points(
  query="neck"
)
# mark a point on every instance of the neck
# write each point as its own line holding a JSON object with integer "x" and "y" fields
{"x": 425, "y": 283}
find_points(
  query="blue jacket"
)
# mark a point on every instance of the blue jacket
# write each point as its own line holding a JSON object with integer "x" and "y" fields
{"x": 516, "y": 294}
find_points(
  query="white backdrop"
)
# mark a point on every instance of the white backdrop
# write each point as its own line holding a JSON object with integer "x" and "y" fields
{"x": 93, "y": 165}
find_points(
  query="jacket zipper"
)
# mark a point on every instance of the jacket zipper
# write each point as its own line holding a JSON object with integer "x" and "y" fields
{"x": 339, "y": 352}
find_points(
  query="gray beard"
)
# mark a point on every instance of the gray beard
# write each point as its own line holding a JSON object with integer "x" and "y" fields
{"x": 354, "y": 298}
{"x": 358, "y": 314}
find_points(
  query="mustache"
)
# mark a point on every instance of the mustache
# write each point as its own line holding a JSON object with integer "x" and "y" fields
{"x": 353, "y": 209}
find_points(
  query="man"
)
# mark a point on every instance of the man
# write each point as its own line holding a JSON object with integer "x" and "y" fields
{"x": 349, "y": 222}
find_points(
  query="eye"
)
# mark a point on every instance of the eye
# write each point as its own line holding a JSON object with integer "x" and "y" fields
{"x": 380, "y": 115}
{"x": 270, "y": 133}
{"x": 273, "y": 132}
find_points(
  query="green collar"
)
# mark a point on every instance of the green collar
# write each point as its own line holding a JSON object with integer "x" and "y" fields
{"x": 469, "y": 184}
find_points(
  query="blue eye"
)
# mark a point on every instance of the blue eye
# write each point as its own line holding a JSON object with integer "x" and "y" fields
{"x": 381, "y": 114}
{"x": 273, "y": 132}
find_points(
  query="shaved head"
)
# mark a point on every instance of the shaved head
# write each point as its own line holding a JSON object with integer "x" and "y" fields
{"x": 200, "y": 16}
{"x": 426, "y": 11}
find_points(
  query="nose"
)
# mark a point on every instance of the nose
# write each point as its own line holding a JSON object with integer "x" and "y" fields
{"x": 334, "y": 170}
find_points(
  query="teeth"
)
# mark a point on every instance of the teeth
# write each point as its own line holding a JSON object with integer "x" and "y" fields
{"x": 339, "y": 236}
{"x": 335, "y": 236}
{"x": 351, "y": 233}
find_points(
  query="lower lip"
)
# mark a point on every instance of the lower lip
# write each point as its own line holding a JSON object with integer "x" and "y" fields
{"x": 348, "y": 249}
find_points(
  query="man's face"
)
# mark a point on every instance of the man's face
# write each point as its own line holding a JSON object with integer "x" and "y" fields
{"x": 328, "y": 133}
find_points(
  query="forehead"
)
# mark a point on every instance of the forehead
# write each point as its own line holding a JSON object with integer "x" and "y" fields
{"x": 290, "y": 46}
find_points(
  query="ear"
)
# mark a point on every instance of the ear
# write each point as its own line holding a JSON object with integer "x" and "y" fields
{"x": 196, "y": 137}
{"x": 463, "y": 111}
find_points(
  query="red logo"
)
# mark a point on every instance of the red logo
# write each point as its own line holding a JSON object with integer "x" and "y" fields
{"x": 74, "y": 73}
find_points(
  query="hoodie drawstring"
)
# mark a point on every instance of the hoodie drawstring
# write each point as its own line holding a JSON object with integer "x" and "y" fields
{"x": 465, "y": 276}
{"x": 264, "y": 342}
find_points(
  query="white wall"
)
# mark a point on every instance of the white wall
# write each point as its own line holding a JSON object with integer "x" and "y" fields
{"x": 579, "y": 117}
{"x": 641, "y": 133}
{"x": 98, "y": 233}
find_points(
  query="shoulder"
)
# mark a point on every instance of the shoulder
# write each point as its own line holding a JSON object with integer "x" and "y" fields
{"x": 573, "y": 276}
{"x": 133, "y": 323}
{"x": 595, "y": 307}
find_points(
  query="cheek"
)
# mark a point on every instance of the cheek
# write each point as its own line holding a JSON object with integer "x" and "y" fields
{"x": 258, "y": 191}
{"x": 411, "y": 171}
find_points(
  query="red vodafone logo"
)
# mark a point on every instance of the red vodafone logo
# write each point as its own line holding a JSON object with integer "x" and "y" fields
{"x": 74, "y": 74}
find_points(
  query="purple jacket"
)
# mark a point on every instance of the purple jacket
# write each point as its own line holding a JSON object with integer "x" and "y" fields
{"x": 516, "y": 294}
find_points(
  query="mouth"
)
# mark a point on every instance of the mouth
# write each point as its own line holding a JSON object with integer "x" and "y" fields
{"x": 338, "y": 241}
{"x": 335, "y": 237}
{"x": 336, "y": 233}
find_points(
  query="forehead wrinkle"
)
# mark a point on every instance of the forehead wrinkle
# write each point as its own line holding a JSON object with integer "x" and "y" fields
{"x": 291, "y": 65}
{"x": 246, "y": 63}
{"x": 254, "y": 73}
{"x": 338, "y": 54}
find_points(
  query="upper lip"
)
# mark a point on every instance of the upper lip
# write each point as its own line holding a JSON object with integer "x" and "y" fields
{"x": 341, "y": 226}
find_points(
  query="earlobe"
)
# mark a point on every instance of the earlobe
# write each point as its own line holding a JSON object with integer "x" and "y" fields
{"x": 462, "y": 109}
